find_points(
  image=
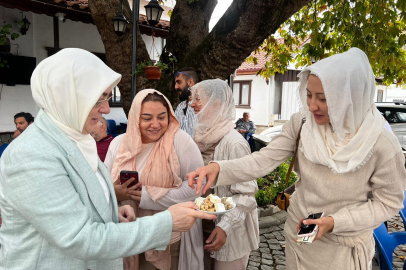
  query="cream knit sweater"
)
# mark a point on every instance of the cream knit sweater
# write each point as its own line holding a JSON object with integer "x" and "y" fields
{"x": 358, "y": 201}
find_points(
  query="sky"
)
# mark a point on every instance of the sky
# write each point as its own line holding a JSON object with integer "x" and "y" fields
{"x": 221, "y": 7}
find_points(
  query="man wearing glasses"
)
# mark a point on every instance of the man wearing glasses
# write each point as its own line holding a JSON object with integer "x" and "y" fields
{"x": 184, "y": 79}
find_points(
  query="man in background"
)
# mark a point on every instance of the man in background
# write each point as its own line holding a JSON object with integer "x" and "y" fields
{"x": 184, "y": 79}
{"x": 22, "y": 120}
{"x": 102, "y": 139}
{"x": 246, "y": 127}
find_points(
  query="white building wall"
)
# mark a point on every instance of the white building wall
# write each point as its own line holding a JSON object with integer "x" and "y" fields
{"x": 18, "y": 98}
{"x": 260, "y": 107}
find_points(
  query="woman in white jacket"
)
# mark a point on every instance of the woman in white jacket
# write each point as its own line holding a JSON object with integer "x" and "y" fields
{"x": 234, "y": 234}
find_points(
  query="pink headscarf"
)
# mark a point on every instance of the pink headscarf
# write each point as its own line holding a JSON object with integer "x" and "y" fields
{"x": 162, "y": 170}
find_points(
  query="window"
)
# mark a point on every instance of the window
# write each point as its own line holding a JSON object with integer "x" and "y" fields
{"x": 242, "y": 94}
{"x": 116, "y": 101}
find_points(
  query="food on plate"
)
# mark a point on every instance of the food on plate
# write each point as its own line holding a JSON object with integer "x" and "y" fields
{"x": 213, "y": 203}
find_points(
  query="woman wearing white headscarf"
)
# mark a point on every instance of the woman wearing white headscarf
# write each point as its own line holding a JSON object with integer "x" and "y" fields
{"x": 236, "y": 233}
{"x": 58, "y": 203}
{"x": 351, "y": 167}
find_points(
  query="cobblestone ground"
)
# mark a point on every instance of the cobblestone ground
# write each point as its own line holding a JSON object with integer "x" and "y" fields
{"x": 271, "y": 252}
{"x": 399, "y": 255}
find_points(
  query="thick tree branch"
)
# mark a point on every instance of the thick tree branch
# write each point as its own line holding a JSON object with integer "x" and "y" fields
{"x": 189, "y": 26}
{"x": 242, "y": 29}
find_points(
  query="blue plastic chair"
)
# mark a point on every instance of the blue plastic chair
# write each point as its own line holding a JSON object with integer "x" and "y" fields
{"x": 111, "y": 127}
{"x": 2, "y": 148}
{"x": 386, "y": 243}
{"x": 402, "y": 212}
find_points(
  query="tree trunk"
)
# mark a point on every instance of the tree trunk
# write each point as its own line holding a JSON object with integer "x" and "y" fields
{"x": 119, "y": 50}
{"x": 242, "y": 29}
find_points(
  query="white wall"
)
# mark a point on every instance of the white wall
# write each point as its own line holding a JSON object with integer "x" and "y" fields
{"x": 117, "y": 114}
{"x": 260, "y": 110}
{"x": 15, "y": 99}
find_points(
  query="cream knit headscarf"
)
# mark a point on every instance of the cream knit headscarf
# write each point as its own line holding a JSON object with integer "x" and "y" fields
{"x": 217, "y": 116}
{"x": 347, "y": 142}
{"x": 66, "y": 86}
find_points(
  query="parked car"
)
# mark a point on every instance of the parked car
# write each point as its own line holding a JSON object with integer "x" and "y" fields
{"x": 264, "y": 138}
{"x": 394, "y": 113}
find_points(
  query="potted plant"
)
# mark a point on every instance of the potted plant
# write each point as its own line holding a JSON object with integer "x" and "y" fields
{"x": 5, "y": 35}
{"x": 153, "y": 69}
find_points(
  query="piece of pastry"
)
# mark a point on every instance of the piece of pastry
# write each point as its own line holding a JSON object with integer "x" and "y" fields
{"x": 211, "y": 209}
{"x": 229, "y": 200}
{"x": 199, "y": 201}
{"x": 215, "y": 199}
{"x": 219, "y": 207}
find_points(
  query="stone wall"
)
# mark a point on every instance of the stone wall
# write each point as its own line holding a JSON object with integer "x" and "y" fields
{"x": 6, "y": 137}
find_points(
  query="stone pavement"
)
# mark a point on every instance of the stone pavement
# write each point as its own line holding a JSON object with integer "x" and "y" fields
{"x": 271, "y": 252}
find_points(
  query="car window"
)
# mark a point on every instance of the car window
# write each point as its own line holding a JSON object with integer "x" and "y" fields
{"x": 401, "y": 116}
{"x": 393, "y": 116}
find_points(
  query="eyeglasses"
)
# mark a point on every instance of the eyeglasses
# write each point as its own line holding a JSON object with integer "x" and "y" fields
{"x": 177, "y": 74}
{"x": 100, "y": 101}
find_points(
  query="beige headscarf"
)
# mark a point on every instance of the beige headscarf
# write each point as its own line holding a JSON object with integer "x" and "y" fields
{"x": 66, "y": 86}
{"x": 347, "y": 142}
{"x": 217, "y": 116}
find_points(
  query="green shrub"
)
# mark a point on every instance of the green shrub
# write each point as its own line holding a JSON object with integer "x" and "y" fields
{"x": 273, "y": 183}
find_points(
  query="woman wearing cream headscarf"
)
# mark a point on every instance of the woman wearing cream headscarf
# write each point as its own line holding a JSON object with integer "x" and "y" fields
{"x": 236, "y": 233}
{"x": 162, "y": 154}
{"x": 58, "y": 204}
{"x": 351, "y": 167}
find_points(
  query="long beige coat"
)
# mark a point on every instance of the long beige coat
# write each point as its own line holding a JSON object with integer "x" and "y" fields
{"x": 358, "y": 201}
{"x": 241, "y": 224}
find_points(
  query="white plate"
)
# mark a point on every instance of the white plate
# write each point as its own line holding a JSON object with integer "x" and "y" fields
{"x": 218, "y": 213}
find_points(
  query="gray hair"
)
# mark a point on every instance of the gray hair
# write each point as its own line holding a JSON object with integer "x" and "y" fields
{"x": 244, "y": 113}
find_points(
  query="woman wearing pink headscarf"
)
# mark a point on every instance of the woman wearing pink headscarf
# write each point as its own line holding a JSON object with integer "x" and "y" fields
{"x": 232, "y": 237}
{"x": 162, "y": 154}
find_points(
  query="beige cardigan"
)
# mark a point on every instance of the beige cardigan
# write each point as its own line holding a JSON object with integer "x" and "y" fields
{"x": 358, "y": 201}
{"x": 241, "y": 224}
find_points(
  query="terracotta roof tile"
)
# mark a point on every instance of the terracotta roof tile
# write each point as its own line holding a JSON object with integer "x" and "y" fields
{"x": 261, "y": 59}
{"x": 84, "y": 5}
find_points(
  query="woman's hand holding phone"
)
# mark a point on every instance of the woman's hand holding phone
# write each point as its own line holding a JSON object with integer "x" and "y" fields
{"x": 123, "y": 191}
{"x": 136, "y": 194}
{"x": 324, "y": 224}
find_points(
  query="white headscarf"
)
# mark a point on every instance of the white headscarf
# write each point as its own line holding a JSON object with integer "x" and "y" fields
{"x": 66, "y": 86}
{"x": 347, "y": 142}
{"x": 217, "y": 116}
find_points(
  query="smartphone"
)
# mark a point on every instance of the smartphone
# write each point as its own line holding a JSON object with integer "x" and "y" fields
{"x": 307, "y": 230}
{"x": 126, "y": 175}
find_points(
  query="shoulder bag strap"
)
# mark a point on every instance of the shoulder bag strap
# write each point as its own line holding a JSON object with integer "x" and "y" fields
{"x": 293, "y": 158}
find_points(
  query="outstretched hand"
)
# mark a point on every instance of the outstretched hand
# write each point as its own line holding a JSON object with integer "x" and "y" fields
{"x": 184, "y": 215}
{"x": 210, "y": 171}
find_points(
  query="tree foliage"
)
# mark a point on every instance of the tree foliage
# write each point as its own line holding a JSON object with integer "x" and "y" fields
{"x": 326, "y": 27}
